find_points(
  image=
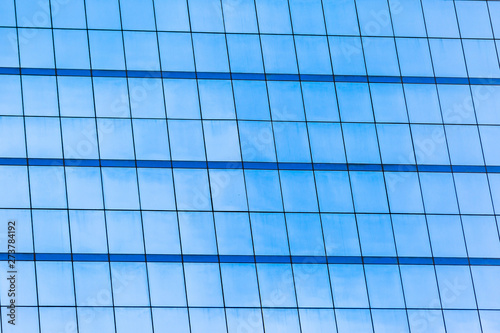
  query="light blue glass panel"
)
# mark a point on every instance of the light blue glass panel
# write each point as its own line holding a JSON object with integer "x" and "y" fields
{"x": 203, "y": 284}
{"x": 42, "y": 178}
{"x": 495, "y": 190}
{"x": 141, "y": 50}
{"x": 430, "y": 144}
{"x": 384, "y": 286}
{"x": 440, "y": 18}
{"x": 353, "y": 321}
{"x": 481, "y": 236}
{"x": 156, "y": 189}
{"x": 24, "y": 279}
{"x": 341, "y": 17}
{"x": 129, "y": 282}
{"x": 439, "y": 193}
{"x": 88, "y": 231}
{"x": 12, "y": 142}
{"x": 481, "y": 58}
{"x": 305, "y": 235}
{"x": 264, "y": 192}
{"x": 7, "y": 16}
{"x": 171, "y": 15}
{"x": 161, "y": 232}
{"x": 281, "y": 320}
{"x": 18, "y": 195}
{"x": 92, "y": 284}
{"x": 244, "y": 320}
{"x": 251, "y": 100}
{"x": 166, "y": 282}
{"x": 151, "y": 139}
{"x": 31, "y": 13}
{"x": 79, "y": 138}
{"x": 273, "y": 16}
{"x": 129, "y": 320}
{"x": 490, "y": 320}
{"x": 422, "y": 103}
{"x": 103, "y": 14}
{"x": 292, "y": 144}
{"x": 115, "y": 139}
{"x": 279, "y": 54}
{"x": 313, "y": 55}
{"x": 407, "y": 18}
{"x": 447, "y": 57}
{"x": 307, "y": 17}
{"x": 10, "y": 95}
{"x": 456, "y": 104}
{"x": 276, "y": 285}
{"x": 487, "y": 290}
{"x": 426, "y": 321}
{"x": 361, "y": 143}
{"x": 24, "y": 237}
{"x": 473, "y": 193}
{"x": 414, "y": 56}
{"x": 124, "y": 232}
{"x": 84, "y": 188}
{"x": 299, "y": 192}
{"x": 347, "y": 56}
{"x": 206, "y": 15}
{"x": 9, "y": 44}
{"x": 419, "y": 282}
{"x": 191, "y": 189}
{"x": 368, "y": 189}
{"x": 473, "y": 20}
{"x": 245, "y": 54}
{"x": 388, "y": 103}
{"x": 166, "y": 319}
{"x": 181, "y": 99}
{"x": 490, "y": 136}
{"x": 411, "y": 235}
{"x": 212, "y": 320}
{"x": 228, "y": 190}
{"x": 40, "y": 95}
{"x": 240, "y": 285}
{"x": 374, "y": 17}
{"x": 210, "y": 53}
{"x": 103, "y": 320}
{"x": 395, "y": 142}
{"x": 176, "y": 51}
{"x": 317, "y": 320}
{"x": 137, "y": 15}
{"x": 348, "y": 286}
{"x": 380, "y": 56}
{"x": 233, "y": 234}
{"x": 75, "y": 96}
{"x": 69, "y": 14}
{"x": 257, "y": 142}
{"x": 341, "y": 234}
{"x": 29, "y": 324}
{"x": 120, "y": 188}
{"x": 72, "y": 49}
{"x": 216, "y": 98}
{"x": 312, "y": 285}
{"x": 55, "y": 241}
{"x": 494, "y": 17}
{"x": 320, "y": 101}
{"x": 111, "y": 97}
{"x": 186, "y": 139}
{"x": 269, "y": 234}
{"x": 285, "y": 100}
{"x": 239, "y": 16}
{"x": 57, "y": 319}
{"x": 197, "y": 233}
{"x": 376, "y": 235}
{"x": 462, "y": 320}
{"x": 455, "y": 286}
{"x": 354, "y": 102}
{"x": 333, "y": 191}
{"x": 447, "y": 239}
{"x": 220, "y": 134}
{"x": 390, "y": 321}
{"x": 52, "y": 276}
{"x": 403, "y": 189}
{"x": 106, "y": 50}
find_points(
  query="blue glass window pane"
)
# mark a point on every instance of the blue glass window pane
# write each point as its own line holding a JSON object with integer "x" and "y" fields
{"x": 384, "y": 286}
{"x": 279, "y": 54}
{"x": 490, "y": 320}
{"x": 166, "y": 281}
{"x": 421, "y": 290}
{"x": 156, "y": 189}
{"x": 361, "y": 143}
{"x": 354, "y": 102}
{"x": 124, "y": 232}
{"x": 210, "y": 52}
{"x": 251, "y": 100}
{"x": 111, "y": 97}
{"x": 239, "y": 16}
{"x": 171, "y": 15}
{"x": 41, "y": 178}
{"x": 88, "y": 231}
{"x": 203, "y": 284}
{"x": 326, "y": 143}
{"x": 27, "y": 280}
{"x": 354, "y": 321}
{"x": 176, "y": 51}
{"x": 245, "y": 54}
{"x": 33, "y": 14}
{"x": 380, "y": 55}
{"x": 274, "y": 16}
{"x": 263, "y": 190}
{"x": 133, "y": 292}
{"x": 404, "y": 192}
{"x": 141, "y": 50}
{"x": 186, "y": 139}
{"x": 12, "y": 142}
{"x": 487, "y": 290}
{"x": 257, "y": 144}
{"x": 228, "y": 190}
{"x": 411, "y": 235}
{"x": 341, "y": 235}
{"x": 150, "y": 139}
{"x": 120, "y": 188}
{"x": 473, "y": 193}
{"x": 307, "y": 17}
{"x": 70, "y": 14}
{"x": 240, "y": 285}
{"x": 374, "y": 17}
{"x": 233, "y": 234}
{"x": 10, "y": 95}
{"x": 191, "y": 189}
{"x": 181, "y": 99}
{"x": 462, "y": 320}
{"x": 429, "y": 320}
{"x": 422, "y": 102}
{"x": 206, "y": 15}
{"x": 369, "y": 192}
{"x": 212, "y": 320}
{"x": 79, "y": 138}
{"x": 407, "y": 18}
{"x": 464, "y": 145}
{"x": 348, "y": 286}
{"x": 414, "y": 57}
{"x": 481, "y": 58}
{"x": 317, "y": 320}
{"x": 395, "y": 142}
{"x": 388, "y": 103}
{"x": 197, "y": 233}
{"x": 91, "y": 279}
{"x": 104, "y": 320}
{"x": 244, "y": 319}
{"x": 341, "y": 17}
{"x": 106, "y": 50}
{"x": 216, "y": 99}
{"x": 55, "y": 276}
{"x": 47, "y": 128}
{"x": 115, "y": 139}
{"x": 281, "y": 320}
{"x": 456, "y": 104}
{"x": 292, "y": 144}
{"x": 333, "y": 191}
{"x": 430, "y": 144}
{"x": 220, "y": 133}
{"x": 55, "y": 241}
{"x": 161, "y": 232}
{"x": 37, "y": 51}
{"x": 165, "y": 319}
{"x": 305, "y": 234}
{"x": 299, "y": 192}
{"x": 320, "y": 101}
{"x": 447, "y": 57}
{"x": 75, "y": 96}
{"x": 276, "y": 277}
{"x": 390, "y": 321}
{"x": 376, "y": 236}
{"x": 8, "y": 42}
{"x": 84, "y": 188}
{"x": 312, "y": 285}
{"x": 137, "y": 15}
{"x": 347, "y": 55}
{"x": 481, "y": 236}
{"x": 103, "y": 14}
{"x": 7, "y": 16}
{"x": 269, "y": 234}
{"x": 495, "y": 17}
{"x": 19, "y": 196}
{"x": 473, "y": 19}
{"x": 439, "y": 193}
{"x": 459, "y": 294}
{"x": 440, "y": 18}
{"x": 56, "y": 319}
{"x": 313, "y": 55}
{"x": 146, "y": 98}
{"x": 285, "y": 100}
{"x": 486, "y": 98}
{"x": 490, "y": 136}
{"x": 133, "y": 320}
{"x": 446, "y": 236}
{"x": 40, "y": 95}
